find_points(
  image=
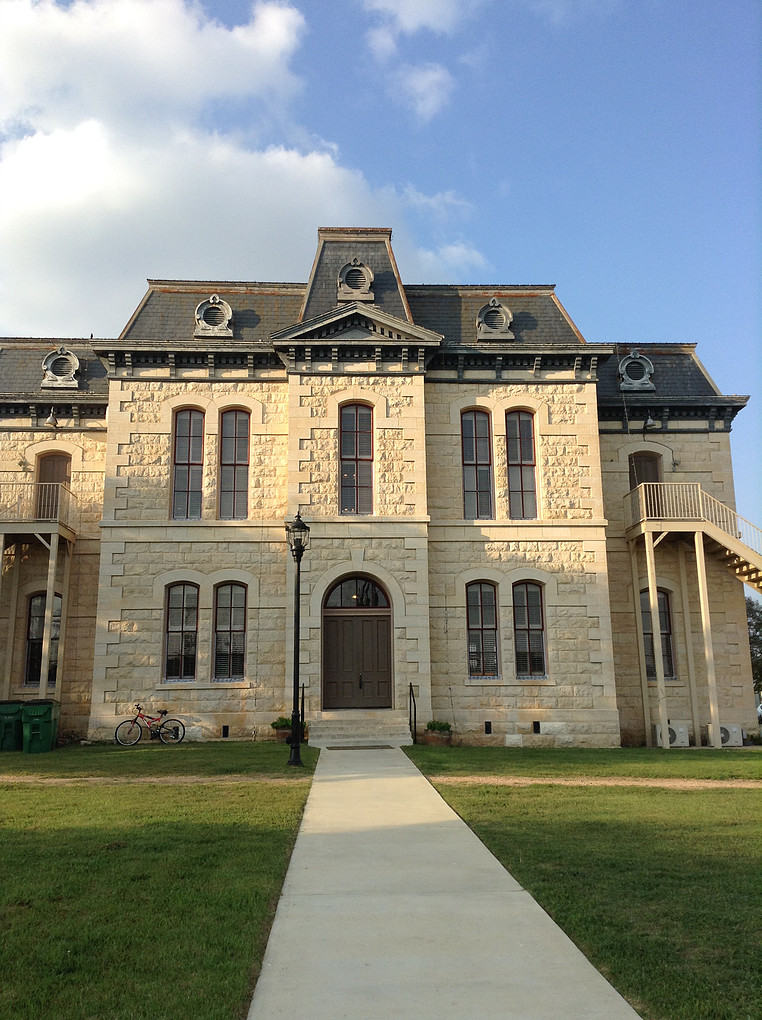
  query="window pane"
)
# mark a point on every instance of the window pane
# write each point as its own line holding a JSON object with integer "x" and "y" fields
{"x": 529, "y": 629}
{"x": 481, "y": 610}
{"x": 188, "y": 464}
{"x": 522, "y": 500}
{"x": 477, "y": 465}
{"x": 356, "y": 445}
{"x": 180, "y": 632}
{"x": 229, "y": 636}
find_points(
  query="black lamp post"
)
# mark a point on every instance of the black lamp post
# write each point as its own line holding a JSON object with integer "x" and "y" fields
{"x": 298, "y": 535}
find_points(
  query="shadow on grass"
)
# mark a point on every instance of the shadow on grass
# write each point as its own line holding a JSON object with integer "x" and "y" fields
{"x": 152, "y": 758}
{"x": 160, "y": 908}
{"x": 659, "y": 889}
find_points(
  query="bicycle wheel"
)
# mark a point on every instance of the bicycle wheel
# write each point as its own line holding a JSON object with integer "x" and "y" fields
{"x": 171, "y": 731}
{"x": 128, "y": 732}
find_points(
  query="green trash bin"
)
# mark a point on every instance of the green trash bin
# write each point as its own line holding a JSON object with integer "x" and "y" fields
{"x": 40, "y": 723}
{"x": 11, "y": 729}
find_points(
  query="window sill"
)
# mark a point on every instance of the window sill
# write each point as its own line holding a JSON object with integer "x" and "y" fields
{"x": 510, "y": 681}
{"x": 205, "y": 685}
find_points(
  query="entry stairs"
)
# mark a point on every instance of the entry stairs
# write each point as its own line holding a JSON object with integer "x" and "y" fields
{"x": 378, "y": 727}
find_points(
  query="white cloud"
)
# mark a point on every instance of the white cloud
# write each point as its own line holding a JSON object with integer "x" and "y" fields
{"x": 409, "y": 16}
{"x": 450, "y": 261}
{"x": 131, "y": 61}
{"x": 425, "y": 89}
{"x": 443, "y": 204}
{"x": 109, "y": 173}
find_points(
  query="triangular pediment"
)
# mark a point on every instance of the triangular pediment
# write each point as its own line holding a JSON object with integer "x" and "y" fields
{"x": 355, "y": 323}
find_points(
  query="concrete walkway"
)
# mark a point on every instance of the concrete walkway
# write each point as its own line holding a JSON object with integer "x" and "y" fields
{"x": 392, "y": 908}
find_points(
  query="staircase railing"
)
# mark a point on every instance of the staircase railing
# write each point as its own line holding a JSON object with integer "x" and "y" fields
{"x": 412, "y": 714}
{"x": 687, "y": 501}
{"x": 37, "y": 501}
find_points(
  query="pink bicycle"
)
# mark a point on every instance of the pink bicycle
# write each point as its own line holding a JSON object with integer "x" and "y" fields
{"x": 168, "y": 731}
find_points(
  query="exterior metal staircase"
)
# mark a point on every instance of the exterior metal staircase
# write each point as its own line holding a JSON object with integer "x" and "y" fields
{"x": 684, "y": 506}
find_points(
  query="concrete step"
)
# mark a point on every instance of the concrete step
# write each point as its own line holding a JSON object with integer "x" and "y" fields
{"x": 359, "y": 728}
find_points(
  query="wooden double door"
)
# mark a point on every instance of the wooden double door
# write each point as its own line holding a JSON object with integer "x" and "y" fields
{"x": 357, "y": 659}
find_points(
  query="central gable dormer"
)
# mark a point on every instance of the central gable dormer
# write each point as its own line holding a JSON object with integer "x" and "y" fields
{"x": 356, "y": 338}
{"x": 355, "y": 264}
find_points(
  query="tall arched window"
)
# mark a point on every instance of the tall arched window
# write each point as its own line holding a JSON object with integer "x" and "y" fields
{"x": 234, "y": 465}
{"x": 665, "y": 627}
{"x": 476, "y": 446}
{"x": 481, "y": 611}
{"x": 522, "y": 465}
{"x": 356, "y": 444}
{"x": 529, "y": 629}
{"x": 229, "y": 631}
{"x": 188, "y": 465}
{"x": 34, "y": 635}
{"x": 181, "y": 630}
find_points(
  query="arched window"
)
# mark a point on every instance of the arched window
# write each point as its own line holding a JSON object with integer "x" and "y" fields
{"x": 357, "y": 593}
{"x": 181, "y": 630}
{"x": 481, "y": 612}
{"x": 34, "y": 635}
{"x": 529, "y": 629}
{"x": 476, "y": 446}
{"x": 234, "y": 465}
{"x": 229, "y": 631}
{"x": 188, "y": 465}
{"x": 356, "y": 444}
{"x": 522, "y": 465}
{"x": 665, "y": 626}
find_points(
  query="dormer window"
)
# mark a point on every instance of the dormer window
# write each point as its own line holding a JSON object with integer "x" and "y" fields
{"x": 355, "y": 282}
{"x": 214, "y": 317}
{"x": 59, "y": 370}
{"x": 494, "y": 321}
{"x": 635, "y": 372}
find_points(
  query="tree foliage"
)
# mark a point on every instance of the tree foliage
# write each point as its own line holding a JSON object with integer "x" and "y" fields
{"x": 754, "y": 617}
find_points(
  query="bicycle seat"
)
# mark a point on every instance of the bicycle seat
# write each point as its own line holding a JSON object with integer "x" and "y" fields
{"x": 162, "y": 711}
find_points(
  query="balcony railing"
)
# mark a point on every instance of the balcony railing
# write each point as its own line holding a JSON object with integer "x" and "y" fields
{"x": 687, "y": 501}
{"x": 22, "y": 502}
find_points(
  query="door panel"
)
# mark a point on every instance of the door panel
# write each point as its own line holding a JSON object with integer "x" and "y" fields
{"x": 357, "y": 661}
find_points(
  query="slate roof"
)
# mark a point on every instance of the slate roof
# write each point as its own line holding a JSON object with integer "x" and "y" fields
{"x": 677, "y": 373}
{"x": 538, "y": 317}
{"x": 336, "y": 249}
{"x": 21, "y": 371}
{"x": 167, "y": 312}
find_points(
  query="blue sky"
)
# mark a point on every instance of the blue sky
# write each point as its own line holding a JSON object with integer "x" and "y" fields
{"x": 611, "y": 147}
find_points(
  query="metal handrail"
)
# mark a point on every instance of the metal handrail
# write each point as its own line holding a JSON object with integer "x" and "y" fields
{"x": 687, "y": 501}
{"x": 37, "y": 501}
{"x": 412, "y": 714}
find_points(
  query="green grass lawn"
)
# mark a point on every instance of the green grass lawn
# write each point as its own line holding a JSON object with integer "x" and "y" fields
{"x": 140, "y": 894}
{"x": 660, "y": 888}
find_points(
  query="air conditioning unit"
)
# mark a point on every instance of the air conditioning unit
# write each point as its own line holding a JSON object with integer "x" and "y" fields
{"x": 679, "y": 733}
{"x": 731, "y": 735}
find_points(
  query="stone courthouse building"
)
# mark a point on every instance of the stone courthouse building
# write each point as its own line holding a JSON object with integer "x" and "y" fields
{"x": 533, "y": 535}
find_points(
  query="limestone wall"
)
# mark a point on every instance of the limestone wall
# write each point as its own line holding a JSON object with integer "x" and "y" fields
{"x": 563, "y": 550}
{"x": 704, "y": 459}
{"x": 25, "y": 566}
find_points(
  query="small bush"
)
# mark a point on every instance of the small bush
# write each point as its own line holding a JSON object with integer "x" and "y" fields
{"x": 436, "y": 724}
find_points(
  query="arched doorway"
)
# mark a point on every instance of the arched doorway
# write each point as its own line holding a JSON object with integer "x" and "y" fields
{"x": 357, "y": 645}
{"x": 53, "y": 471}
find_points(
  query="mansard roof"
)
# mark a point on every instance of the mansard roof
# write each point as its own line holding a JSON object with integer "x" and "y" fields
{"x": 21, "y": 372}
{"x": 680, "y": 387}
